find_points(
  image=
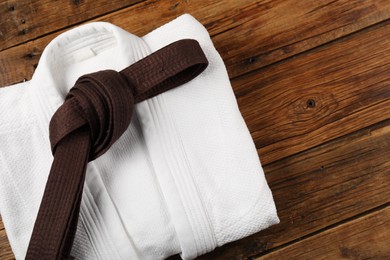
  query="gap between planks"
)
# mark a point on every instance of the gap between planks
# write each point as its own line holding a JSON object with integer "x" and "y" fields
{"x": 20, "y": 23}
{"x": 365, "y": 237}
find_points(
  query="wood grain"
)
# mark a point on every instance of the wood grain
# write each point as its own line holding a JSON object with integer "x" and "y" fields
{"x": 18, "y": 63}
{"x": 280, "y": 29}
{"x": 320, "y": 187}
{"x": 269, "y": 34}
{"x": 363, "y": 238}
{"x": 5, "y": 248}
{"x": 23, "y": 20}
{"x": 347, "y": 82}
{"x": 312, "y": 83}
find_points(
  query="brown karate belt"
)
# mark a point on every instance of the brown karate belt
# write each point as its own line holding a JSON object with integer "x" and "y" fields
{"x": 96, "y": 112}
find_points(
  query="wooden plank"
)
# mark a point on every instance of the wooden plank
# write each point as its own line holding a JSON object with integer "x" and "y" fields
{"x": 23, "y": 20}
{"x": 249, "y": 35}
{"x": 281, "y": 29}
{"x": 19, "y": 63}
{"x": 329, "y": 92}
{"x": 367, "y": 237}
{"x": 5, "y": 248}
{"x": 1, "y": 224}
{"x": 320, "y": 187}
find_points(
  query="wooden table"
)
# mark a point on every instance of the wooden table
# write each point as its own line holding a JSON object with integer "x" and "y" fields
{"x": 312, "y": 80}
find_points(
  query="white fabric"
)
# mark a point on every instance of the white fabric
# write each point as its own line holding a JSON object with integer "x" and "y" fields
{"x": 184, "y": 178}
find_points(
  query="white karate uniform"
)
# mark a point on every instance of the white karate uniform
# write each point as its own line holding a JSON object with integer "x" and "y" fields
{"x": 184, "y": 178}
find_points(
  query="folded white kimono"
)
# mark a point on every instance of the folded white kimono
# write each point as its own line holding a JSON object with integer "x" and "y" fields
{"x": 184, "y": 178}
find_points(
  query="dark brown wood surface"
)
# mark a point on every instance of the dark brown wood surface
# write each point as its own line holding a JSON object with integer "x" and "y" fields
{"x": 363, "y": 238}
{"x": 312, "y": 82}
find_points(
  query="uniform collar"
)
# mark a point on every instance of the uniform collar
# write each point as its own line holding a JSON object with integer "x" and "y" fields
{"x": 85, "y": 49}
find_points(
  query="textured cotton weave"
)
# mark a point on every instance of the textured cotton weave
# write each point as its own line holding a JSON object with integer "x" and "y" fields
{"x": 96, "y": 112}
{"x": 184, "y": 178}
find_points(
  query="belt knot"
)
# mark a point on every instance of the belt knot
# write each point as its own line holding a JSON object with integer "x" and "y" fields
{"x": 102, "y": 101}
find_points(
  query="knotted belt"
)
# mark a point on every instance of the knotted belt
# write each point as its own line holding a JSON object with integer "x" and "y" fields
{"x": 95, "y": 114}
